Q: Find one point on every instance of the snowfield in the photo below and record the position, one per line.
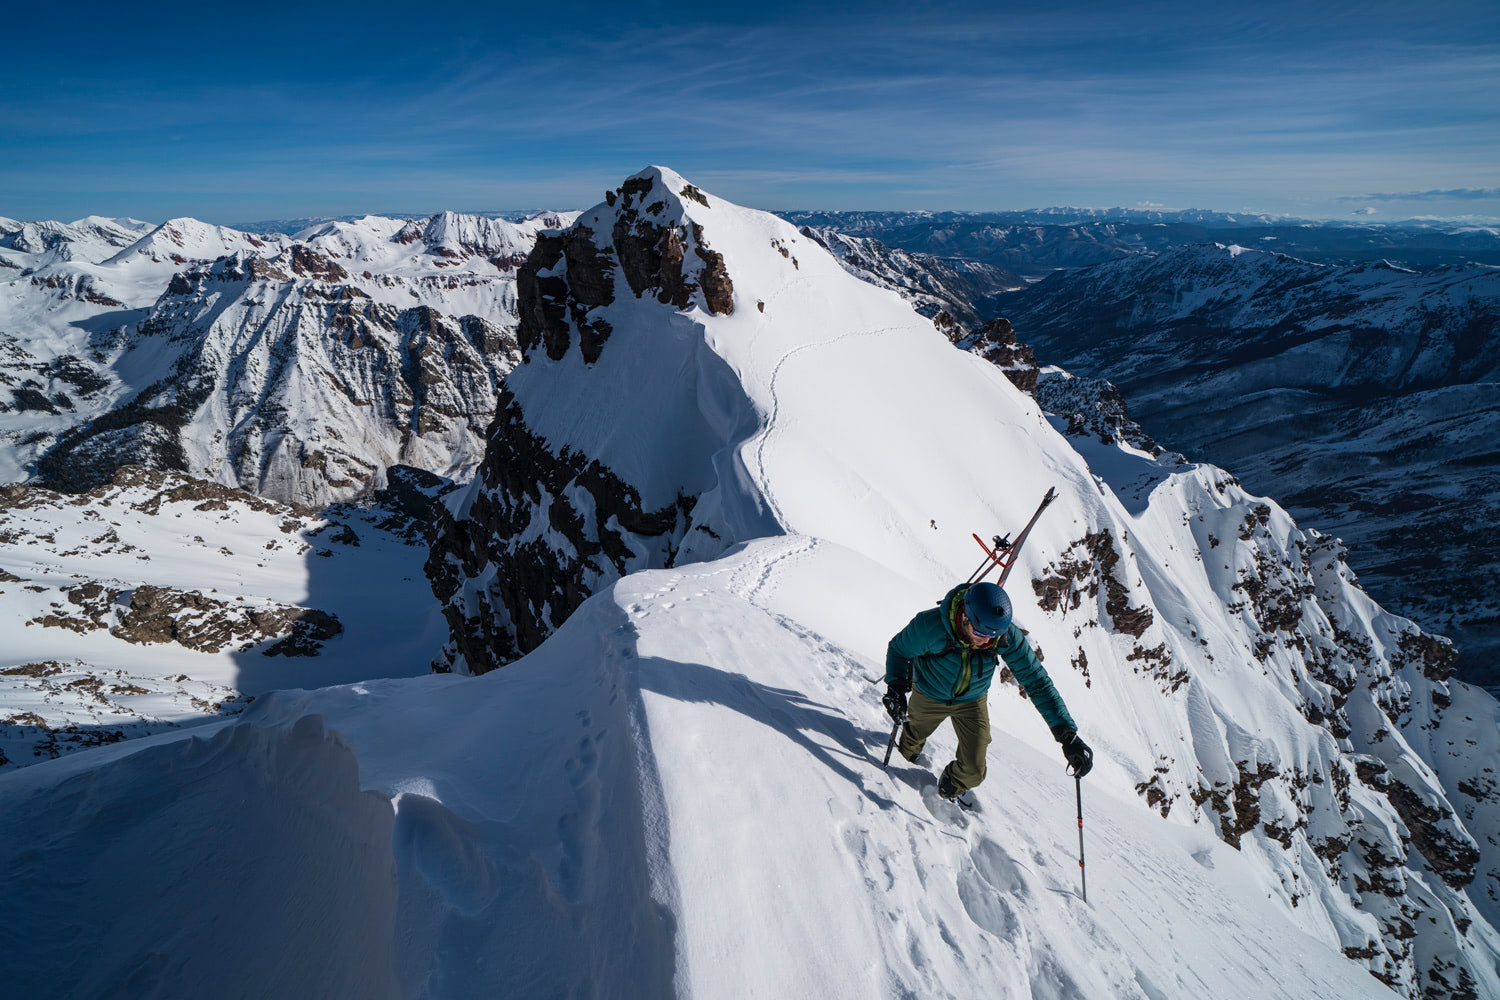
(161, 601)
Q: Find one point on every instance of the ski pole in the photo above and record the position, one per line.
(891, 745)
(1082, 872)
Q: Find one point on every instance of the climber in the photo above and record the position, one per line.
(950, 654)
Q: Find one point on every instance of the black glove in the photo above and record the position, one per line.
(1080, 757)
(895, 699)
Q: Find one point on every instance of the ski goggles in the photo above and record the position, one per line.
(977, 629)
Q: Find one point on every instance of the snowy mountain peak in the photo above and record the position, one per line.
(449, 234)
(183, 240)
(1240, 682)
(652, 233)
(661, 184)
(91, 240)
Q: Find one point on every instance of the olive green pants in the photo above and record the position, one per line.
(971, 721)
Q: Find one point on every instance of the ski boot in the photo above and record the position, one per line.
(946, 789)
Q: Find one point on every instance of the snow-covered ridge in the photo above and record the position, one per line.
(1236, 676)
(760, 467)
(933, 285)
(674, 796)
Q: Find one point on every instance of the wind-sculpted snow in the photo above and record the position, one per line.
(249, 864)
(1362, 397)
(1225, 662)
(677, 795)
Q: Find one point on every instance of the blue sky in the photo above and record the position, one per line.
(241, 112)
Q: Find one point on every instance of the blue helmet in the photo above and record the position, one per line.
(988, 609)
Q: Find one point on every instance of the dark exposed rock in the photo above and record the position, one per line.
(591, 271)
(718, 289)
(542, 300)
(653, 257)
(306, 630)
(948, 326)
(411, 502)
(533, 587)
(569, 275)
(171, 488)
(1433, 654)
(308, 263)
(1444, 845)
(1083, 567)
(1092, 406)
(206, 624)
(996, 343)
(1245, 814)
(93, 608)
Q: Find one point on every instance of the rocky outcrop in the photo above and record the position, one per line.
(542, 528)
(1398, 842)
(996, 343)
(207, 625)
(551, 304)
(546, 530)
(1092, 407)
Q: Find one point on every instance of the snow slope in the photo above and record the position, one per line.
(678, 795)
(699, 375)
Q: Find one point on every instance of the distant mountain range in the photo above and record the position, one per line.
(1036, 243)
(299, 367)
(1364, 397)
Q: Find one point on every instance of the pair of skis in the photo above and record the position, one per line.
(1001, 553)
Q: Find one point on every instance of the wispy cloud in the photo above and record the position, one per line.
(1452, 194)
(899, 105)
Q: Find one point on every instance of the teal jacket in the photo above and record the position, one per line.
(929, 653)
